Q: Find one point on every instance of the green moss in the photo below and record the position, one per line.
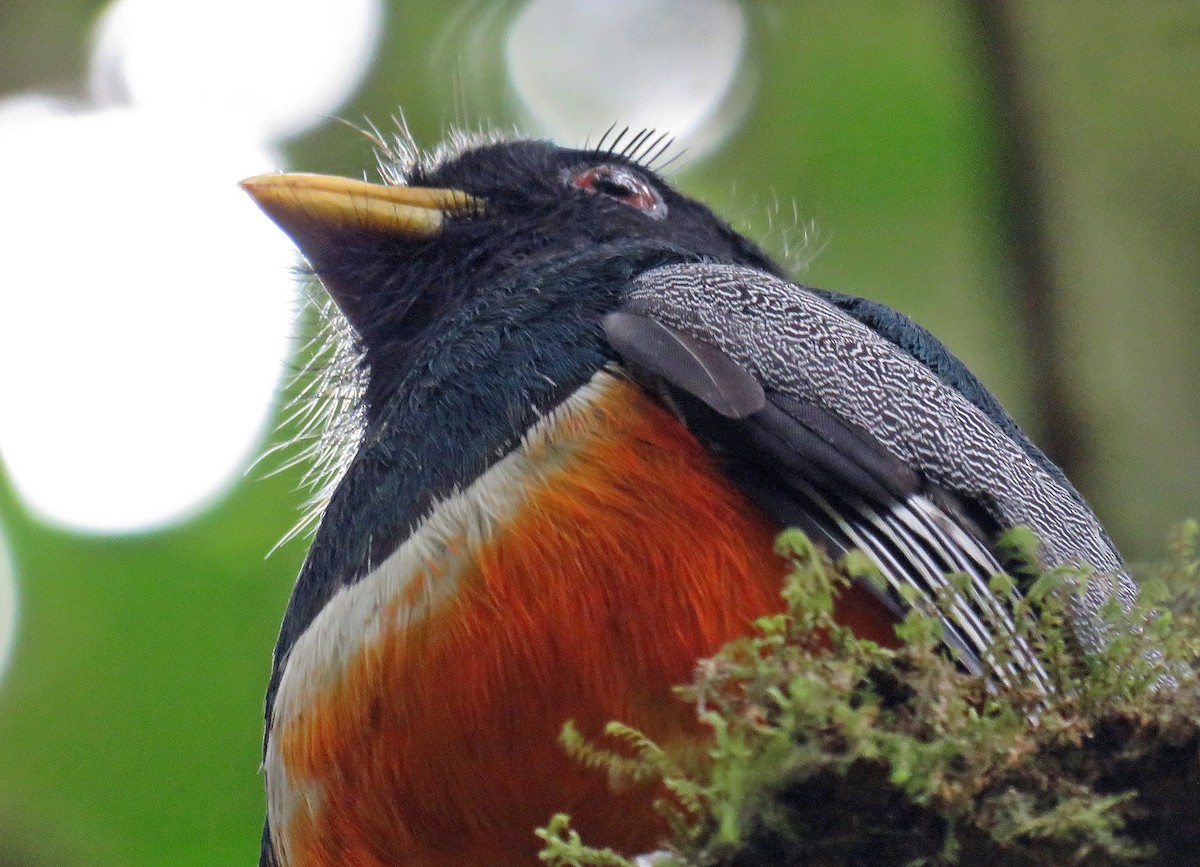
(831, 750)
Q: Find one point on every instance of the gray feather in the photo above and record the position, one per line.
(685, 362)
(799, 345)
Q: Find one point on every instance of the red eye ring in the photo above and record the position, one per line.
(624, 185)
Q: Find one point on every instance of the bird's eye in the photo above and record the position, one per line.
(624, 186)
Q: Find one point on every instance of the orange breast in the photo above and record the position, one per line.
(625, 558)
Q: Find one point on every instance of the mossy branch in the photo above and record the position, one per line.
(831, 750)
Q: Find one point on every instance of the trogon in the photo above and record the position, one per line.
(570, 410)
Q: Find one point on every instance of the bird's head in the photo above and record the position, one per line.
(475, 284)
(399, 257)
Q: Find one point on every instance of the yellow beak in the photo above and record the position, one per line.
(317, 210)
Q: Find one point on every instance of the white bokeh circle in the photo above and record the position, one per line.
(279, 66)
(578, 66)
(8, 605)
(147, 313)
(147, 304)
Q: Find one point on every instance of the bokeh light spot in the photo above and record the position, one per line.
(147, 314)
(279, 66)
(579, 66)
(8, 605)
(147, 304)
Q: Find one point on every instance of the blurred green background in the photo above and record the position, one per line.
(130, 716)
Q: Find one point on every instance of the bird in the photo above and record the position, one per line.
(576, 409)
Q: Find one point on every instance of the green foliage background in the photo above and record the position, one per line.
(130, 718)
